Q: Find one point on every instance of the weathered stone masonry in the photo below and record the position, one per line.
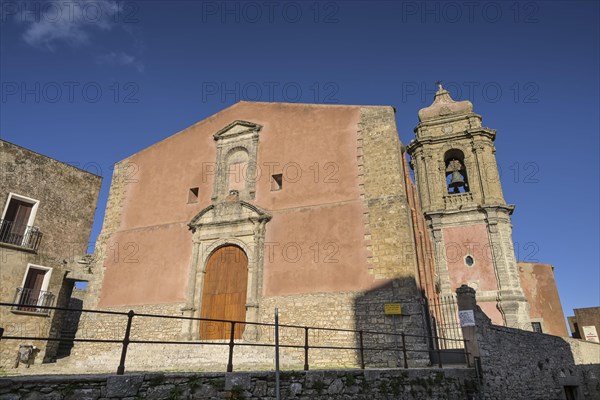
(331, 385)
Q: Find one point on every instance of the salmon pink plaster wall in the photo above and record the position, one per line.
(313, 146)
(146, 266)
(490, 308)
(473, 240)
(316, 249)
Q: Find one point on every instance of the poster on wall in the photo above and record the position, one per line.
(466, 317)
(589, 333)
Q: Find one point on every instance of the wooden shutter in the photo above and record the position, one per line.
(32, 287)
(18, 213)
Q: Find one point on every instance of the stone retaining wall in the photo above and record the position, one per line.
(584, 352)
(353, 311)
(524, 365)
(311, 385)
(344, 310)
(528, 365)
(112, 327)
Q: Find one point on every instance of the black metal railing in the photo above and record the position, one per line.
(20, 235)
(401, 344)
(30, 300)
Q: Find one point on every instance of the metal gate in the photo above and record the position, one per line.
(444, 328)
(445, 324)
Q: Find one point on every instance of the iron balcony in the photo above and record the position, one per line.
(25, 236)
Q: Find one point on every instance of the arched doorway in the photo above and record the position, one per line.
(224, 293)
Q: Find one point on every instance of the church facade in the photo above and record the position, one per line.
(311, 209)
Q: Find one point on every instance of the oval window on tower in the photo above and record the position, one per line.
(469, 261)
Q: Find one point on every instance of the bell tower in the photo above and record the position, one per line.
(453, 158)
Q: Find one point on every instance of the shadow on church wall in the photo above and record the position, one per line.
(370, 316)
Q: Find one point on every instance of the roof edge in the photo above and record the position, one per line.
(52, 158)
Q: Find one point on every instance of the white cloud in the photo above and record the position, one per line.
(120, 59)
(70, 22)
(113, 58)
(74, 23)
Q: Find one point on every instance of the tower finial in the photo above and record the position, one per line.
(439, 84)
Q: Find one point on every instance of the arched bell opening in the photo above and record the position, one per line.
(456, 172)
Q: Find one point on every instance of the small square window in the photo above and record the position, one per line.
(537, 327)
(193, 195)
(276, 182)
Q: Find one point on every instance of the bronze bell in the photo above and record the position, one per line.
(457, 181)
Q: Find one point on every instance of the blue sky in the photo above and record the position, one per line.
(91, 82)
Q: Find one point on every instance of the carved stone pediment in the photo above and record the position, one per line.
(237, 128)
(228, 213)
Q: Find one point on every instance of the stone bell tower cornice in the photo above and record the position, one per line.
(469, 213)
(447, 125)
(482, 132)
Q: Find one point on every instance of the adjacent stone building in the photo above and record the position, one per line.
(47, 213)
(545, 309)
(586, 324)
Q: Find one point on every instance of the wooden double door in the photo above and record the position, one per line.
(224, 293)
